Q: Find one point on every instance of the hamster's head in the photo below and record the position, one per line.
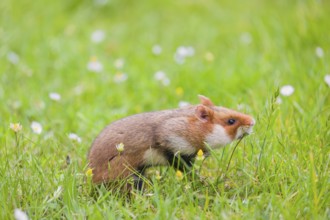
(228, 125)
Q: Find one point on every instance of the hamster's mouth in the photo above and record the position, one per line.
(241, 136)
(243, 131)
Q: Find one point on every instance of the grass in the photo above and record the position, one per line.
(244, 52)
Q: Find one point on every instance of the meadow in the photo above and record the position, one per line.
(68, 68)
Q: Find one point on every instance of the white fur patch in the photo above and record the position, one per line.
(179, 144)
(153, 157)
(218, 137)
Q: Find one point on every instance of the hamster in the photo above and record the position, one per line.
(158, 138)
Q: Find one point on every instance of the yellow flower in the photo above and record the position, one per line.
(16, 127)
(179, 91)
(179, 175)
(209, 56)
(120, 147)
(200, 155)
(89, 172)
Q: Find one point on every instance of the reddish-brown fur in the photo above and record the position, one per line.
(154, 130)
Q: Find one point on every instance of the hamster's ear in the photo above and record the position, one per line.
(203, 113)
(205, 101)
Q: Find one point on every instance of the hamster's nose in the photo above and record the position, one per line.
(253, 122)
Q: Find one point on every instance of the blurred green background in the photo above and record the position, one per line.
(107, 59)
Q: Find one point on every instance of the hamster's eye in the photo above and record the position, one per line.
(231, 121)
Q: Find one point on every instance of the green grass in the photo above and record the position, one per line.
(280, 172)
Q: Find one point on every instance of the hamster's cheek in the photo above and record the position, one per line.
(218, 137)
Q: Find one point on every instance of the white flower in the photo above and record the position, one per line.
(166, 82)
(94, 65)
(36, 127)
(20, 215)
(327, 79)
(156, 49)
(16, 127)
(182, 52)
(319, 52)
(97, 36)
(287, 90)
(246, 38)
(79, 89)
(183, 104)
(13, 57)
(120, 147)
(161, 76)
(120, 77)
(54, 96)
(179, 59)
(75, 137)
(187, 187)
(278, 100)
(119, 63)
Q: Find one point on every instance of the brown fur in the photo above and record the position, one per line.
(154, 130)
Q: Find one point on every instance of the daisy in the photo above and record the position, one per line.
(74, 137)
(54, 96)
(287, 90)
(246, 38)
(94, 65)
(183, 104)
(119, 63)
(327, 79)
(36, 127)
(16, 127)
(120, 77)
(13, 57)
(182, 52)
(179, 59)
(319, 52)
(161, 76)
(20, 215)
(97, 36)
(156, 49)
(278, 100)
